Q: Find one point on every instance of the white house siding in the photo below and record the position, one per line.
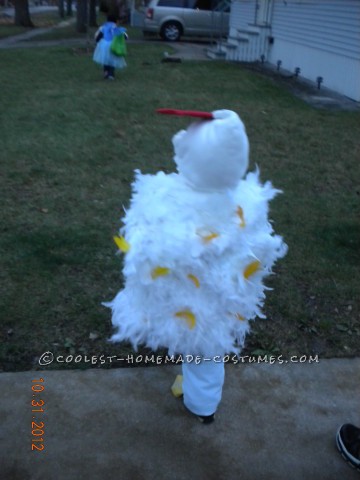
(242, 14)
(322, 38)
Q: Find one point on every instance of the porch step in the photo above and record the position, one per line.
(216, 52)
(254, 29)
(242, 37)
(247, 44)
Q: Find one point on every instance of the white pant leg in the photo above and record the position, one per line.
(202, 386)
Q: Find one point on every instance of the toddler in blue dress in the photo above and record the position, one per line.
(102, 53)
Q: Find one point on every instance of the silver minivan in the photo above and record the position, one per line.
(175, 18)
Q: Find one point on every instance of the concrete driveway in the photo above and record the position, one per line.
(276, 422)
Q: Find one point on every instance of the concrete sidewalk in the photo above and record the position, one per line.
(184, 50)
(22, 40)
(275, 422)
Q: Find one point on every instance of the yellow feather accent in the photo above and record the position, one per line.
(188, 316)
(210, 237)
(252, 268)
(239, 317)
(176, 388)
(206, 235)
(194, 279)
(122, 244)
(159, 272)
(240, 213)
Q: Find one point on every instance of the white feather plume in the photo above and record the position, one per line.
(197, 261)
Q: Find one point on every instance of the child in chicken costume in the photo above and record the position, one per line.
(197, 245)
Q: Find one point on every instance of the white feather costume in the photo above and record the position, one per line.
(198, 245)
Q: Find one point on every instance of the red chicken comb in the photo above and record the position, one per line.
(186, 113)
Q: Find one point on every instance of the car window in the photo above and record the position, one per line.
(171, 3)
(216, 5)
(200, 4)
(221, 5)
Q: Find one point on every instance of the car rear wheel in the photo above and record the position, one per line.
(171, 31)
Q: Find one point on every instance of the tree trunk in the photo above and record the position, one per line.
(61, 9)
(110, 7)
(81, 16)
(69, 11)
(22, 14)
(123, 11)
(92, 13)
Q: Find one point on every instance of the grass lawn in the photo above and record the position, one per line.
(69, 145)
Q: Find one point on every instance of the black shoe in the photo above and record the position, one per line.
(205, 419)
(348, 443)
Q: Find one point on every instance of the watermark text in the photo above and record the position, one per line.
(48, 358)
